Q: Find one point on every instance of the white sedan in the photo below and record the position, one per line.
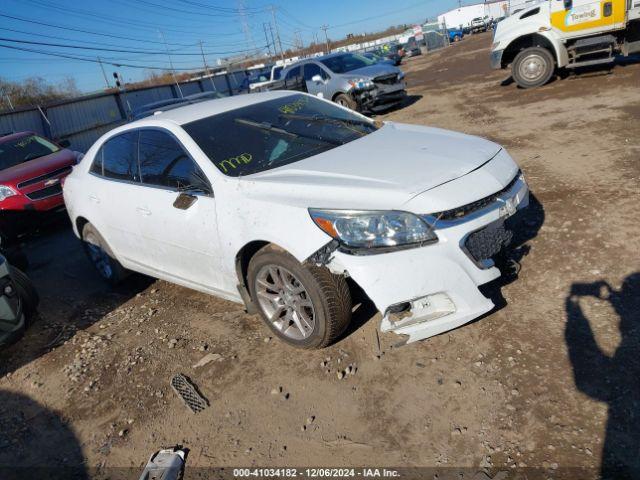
(282, 201)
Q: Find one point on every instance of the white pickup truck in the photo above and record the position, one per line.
(275, 75)
(565, 34)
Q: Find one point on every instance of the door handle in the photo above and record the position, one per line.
(143, 211)
(94, 199)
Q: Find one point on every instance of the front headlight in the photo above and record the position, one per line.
(360, 83)
(6, 192)
(373, 229)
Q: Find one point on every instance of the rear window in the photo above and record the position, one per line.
(347, 63)
(22, 149)
(274, 133)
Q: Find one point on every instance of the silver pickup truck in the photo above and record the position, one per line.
(349, 79)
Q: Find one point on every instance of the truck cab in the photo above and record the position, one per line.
(564, 34)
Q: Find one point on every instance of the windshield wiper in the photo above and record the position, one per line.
(264, 126)
(323, 119)
(271, 128)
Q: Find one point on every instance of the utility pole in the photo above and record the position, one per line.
(173, 73)
(242, 13)
(206, 68)
(273, 40)
(298, 39)
(275, 22)
(326, 37)
(104, 74)
(266, 37)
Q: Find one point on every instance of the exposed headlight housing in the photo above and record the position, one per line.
(374, 229)
(360, 83)
(6, 192)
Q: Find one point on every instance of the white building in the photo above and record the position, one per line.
(461, 17)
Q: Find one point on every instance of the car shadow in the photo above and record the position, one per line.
(611, 379)
(525, 227)
(592, 70)
(406, 102)
(72, 295)
(35, 442)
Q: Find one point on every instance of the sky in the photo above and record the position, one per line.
(136, 34)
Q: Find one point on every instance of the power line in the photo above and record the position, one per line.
(36, 22)
(146, 52)
(84, 59)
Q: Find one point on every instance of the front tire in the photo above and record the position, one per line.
(304, 305)
(101, 256)
(346, 101)
(533, 67)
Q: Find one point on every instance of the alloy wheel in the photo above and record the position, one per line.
(100, 258)
(285, 302)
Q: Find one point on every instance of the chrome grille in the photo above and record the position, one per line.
(60, 171)
(45, 192)
(464, 210)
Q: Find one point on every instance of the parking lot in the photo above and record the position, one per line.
(540, 382)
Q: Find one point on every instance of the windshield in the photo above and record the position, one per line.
(23, 149)
(274, 133)
(347, 62)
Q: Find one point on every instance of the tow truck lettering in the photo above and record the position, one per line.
(234, 162)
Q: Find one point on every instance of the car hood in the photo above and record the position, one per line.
(372, 71)
(37, 166)
(383, 170)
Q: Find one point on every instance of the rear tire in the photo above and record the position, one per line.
(101, 256)
(346, 101)
(533, 67)
(304, 305)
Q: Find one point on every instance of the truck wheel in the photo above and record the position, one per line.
(533, 67)
(27, 292)
(101, 256)
(346, 101)
(304, 305)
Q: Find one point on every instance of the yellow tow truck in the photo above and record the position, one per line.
(555, 34)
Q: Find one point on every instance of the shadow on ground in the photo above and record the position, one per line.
(614, 380)
(72, 295)
(36, 442)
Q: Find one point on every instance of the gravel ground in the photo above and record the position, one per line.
(547, 385)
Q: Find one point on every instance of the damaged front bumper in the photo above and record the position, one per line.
(422, 292)
(376, 97)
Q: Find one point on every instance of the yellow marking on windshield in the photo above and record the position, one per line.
(235, 162)
(25, 142)
(294, 107)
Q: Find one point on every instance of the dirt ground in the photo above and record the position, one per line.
(547, 385)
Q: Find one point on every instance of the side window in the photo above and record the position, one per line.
(293, 73)
(119, 157)
(164, 163)
(311, 69)
(96, 166)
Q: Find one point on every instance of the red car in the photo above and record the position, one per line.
(31, 171)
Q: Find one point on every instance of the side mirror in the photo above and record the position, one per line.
(568, 4)
(317, 79)
(64, 143)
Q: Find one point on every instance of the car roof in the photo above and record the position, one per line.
(197, 111)
(13, 136)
